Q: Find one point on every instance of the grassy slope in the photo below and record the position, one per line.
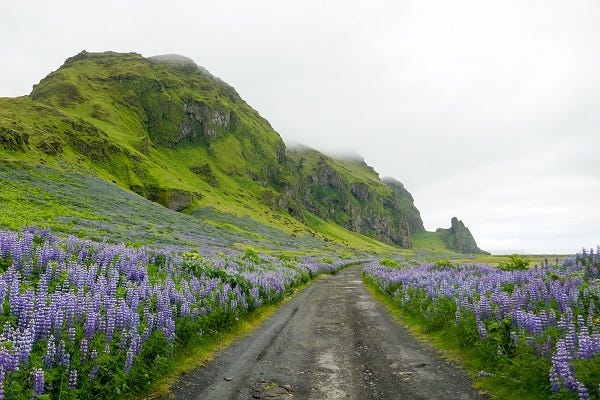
(92, 208)
(429, 241)
(133, 100)
(113, 117)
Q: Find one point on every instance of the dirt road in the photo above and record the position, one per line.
(332, 341)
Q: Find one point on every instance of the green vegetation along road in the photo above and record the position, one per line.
(332, 341)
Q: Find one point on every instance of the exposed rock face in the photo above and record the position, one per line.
(201, 120)
(90, 141)
(364, 206)
(287, 201)
(361, 192)
(174, 199)
(459, 238)
(325, 175)
(404, 203)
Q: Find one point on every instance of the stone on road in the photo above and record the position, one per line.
(331, 341)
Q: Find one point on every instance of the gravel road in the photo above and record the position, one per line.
(331, 341)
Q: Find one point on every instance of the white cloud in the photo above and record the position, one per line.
(489, 111)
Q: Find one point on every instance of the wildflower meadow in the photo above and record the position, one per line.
(532, 330)
(82, 319)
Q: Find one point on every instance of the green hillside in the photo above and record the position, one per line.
(350, 193)
(104, 140)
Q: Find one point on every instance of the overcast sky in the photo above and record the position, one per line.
(485, 110)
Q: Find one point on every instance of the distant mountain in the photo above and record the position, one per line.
(170, 131)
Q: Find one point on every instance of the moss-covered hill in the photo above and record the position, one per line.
(147, 124)
(350, 193)
(168, 130)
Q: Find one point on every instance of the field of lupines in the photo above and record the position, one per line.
(536, 331)
(83, 319)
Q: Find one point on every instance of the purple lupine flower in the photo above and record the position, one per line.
(96, 272)
(571, 338)
(91, 322)
(481, 329)
(586, 348)
(561, 364)
(71, 334)
(555, 381)
(84, 349)
(37, 375)
(110, 323)
(72, 379)
(96, 367)
(128, 360)
(62, 357)
(25, 345)
(582, 391)
(2, 376)
(50, 355)
(480, 290)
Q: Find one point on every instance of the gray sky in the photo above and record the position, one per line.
(485, 110)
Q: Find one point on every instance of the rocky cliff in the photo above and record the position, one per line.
(459, 238)
(350, 193)
(405, 204)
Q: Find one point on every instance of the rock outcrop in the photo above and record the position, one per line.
(201, 121)
(174, 199)
(459, 238)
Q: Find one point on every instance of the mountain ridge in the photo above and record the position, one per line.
(170, 131)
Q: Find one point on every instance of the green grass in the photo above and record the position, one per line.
(429, 242)
(535, 259)
(130, 98)
(351, 240)
(31, 206)
(92, 208)
(89, 207)
(114, 102)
